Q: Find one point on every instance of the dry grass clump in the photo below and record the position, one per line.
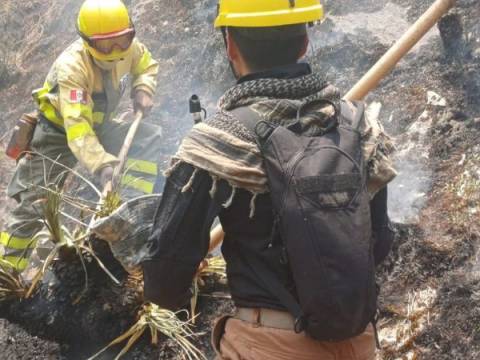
(158, 321)
(408, 324)
(214, 266)
(50, 209)
(161, 321)
(463, 194)
(8, 67)
(110, 203)
(11, 283)
(17, 45)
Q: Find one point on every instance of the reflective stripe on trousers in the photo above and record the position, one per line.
(140, 175)
(16, 250)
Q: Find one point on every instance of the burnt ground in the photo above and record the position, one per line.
(431, 282)
(17, 344)
(78, 329)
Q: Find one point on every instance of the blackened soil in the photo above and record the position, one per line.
(85, 321)
(18, 344)
(436, 254)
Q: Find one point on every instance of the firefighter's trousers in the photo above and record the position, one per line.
(36, 172)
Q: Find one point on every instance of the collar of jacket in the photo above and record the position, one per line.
(282, 72)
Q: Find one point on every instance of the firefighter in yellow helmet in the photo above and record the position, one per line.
(76, 120)
(284, 165)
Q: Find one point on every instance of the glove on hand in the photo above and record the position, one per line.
(106, 175)
(142, 101)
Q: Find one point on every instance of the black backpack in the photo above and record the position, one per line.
(322, 212)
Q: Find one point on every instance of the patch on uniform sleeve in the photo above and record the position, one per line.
(78, 97)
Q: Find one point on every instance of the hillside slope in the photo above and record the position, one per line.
(430, 300)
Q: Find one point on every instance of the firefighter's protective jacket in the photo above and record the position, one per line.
(78, 95)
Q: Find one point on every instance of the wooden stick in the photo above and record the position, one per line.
(381, 69)
(386, 64)
(216, 237)
(122, 155)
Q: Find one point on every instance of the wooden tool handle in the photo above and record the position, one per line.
(386, 64)
(122, 155)
(216, 237)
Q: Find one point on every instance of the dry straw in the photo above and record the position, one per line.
(214, 266)
(11, 284)
(158, 321)
(151, 317)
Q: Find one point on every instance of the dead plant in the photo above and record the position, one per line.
(161, 321)
(11, 283)
(49, 210)
(214, 266)
(111, 202)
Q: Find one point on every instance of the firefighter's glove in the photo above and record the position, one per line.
(142, 101)
(106, 175)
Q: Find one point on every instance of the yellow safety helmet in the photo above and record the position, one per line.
(267, 13)
(106, 29)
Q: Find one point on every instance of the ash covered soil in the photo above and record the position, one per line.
(430, 301)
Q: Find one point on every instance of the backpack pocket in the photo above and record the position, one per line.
(329, 191)
(324, 187)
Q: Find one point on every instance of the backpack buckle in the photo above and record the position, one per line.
(263, 130)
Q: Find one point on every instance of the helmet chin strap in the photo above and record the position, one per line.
(224, 34)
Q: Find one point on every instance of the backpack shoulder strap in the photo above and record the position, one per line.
(250, 119)
(254, 123)
(247, 117)
(271, 282)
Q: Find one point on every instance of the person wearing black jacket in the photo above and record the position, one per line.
(218, 172)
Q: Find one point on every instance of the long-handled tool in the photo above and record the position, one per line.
(122, 155)
(391, 58)
(380, 70)
(117, 171)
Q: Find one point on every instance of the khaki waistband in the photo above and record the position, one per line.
(266, 317)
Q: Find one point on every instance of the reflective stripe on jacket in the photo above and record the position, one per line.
(78, 95)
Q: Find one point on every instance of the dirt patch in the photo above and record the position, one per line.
(17, 344)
